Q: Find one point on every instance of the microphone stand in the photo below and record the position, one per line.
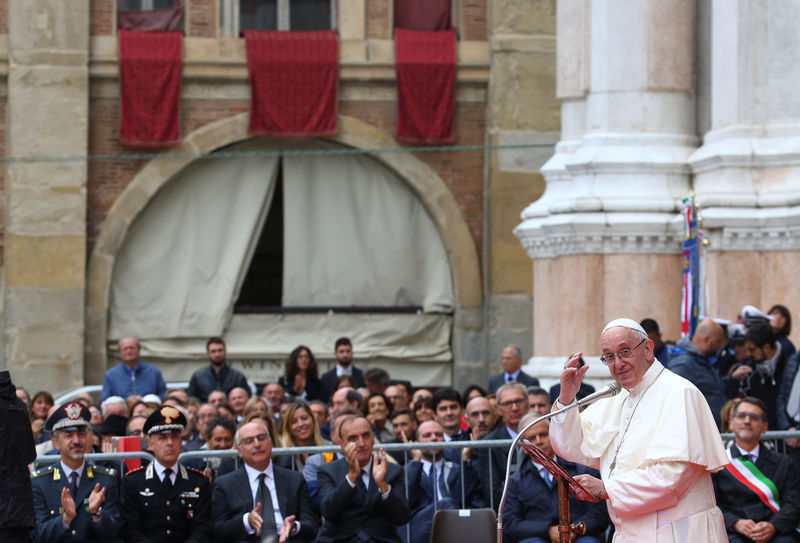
(612, 389)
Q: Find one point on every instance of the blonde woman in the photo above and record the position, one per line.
(300, 429)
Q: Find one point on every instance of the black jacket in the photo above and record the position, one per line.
(532, 505)
(328, 382)
(232, 498)
(350, 511)
(17, 450)
(205, 380)
(739, 502)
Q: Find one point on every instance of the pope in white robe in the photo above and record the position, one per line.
(655, 444)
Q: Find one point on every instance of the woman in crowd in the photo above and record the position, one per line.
(256, 404)
(301, 376)
(40, 404)
(300, 429)
(376, 409)
(423, 409)
(472, 391)
(782, 326)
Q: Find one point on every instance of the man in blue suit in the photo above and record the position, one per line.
(434, 479)
(530, 514)
(362, 497)
(73, 499)
(261, 499)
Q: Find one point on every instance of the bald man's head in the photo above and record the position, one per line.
(708, 337)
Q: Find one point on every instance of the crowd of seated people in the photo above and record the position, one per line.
(352, 493)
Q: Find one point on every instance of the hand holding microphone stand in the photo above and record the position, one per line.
(566, 484)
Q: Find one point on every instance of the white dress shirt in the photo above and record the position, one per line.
(269, 480)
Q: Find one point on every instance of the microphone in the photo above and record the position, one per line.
(611, 389)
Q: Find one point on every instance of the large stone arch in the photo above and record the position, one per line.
(422, 179)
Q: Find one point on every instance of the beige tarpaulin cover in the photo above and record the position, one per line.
(354, 235)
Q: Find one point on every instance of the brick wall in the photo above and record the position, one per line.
(101, 22)
(461, 171)
(201, 18)
(473, 20)
(379, 19)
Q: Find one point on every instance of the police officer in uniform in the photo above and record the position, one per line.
(74, 500)
(165, 502)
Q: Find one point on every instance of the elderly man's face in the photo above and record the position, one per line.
(628, 373)
(129, 350)
(539, 435)
(510, 361)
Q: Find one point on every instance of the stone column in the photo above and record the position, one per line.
(605, 237)
(522, 109)
(747, 173)
(45, 220)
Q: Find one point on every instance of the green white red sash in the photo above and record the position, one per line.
(750, 476)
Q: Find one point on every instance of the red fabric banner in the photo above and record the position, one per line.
(150, 88)
(294, 80)
(426, 75)
(422, 14)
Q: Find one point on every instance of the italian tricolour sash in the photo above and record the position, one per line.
(750, 476)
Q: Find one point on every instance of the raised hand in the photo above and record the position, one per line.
(354, 470)
(254, 519)
(96, 498)
(571, 379)
(379, 468)
(68, 505)
(286, 529)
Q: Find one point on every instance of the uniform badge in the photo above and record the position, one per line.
(190, 514)
(147, 493)
(73, 410)
(89, 472)
(56, 474)
(169, 413)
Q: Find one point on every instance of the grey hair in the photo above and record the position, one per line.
(517, 350)
(527, 417)
(112, 400)
(510, 386)
(236, 440)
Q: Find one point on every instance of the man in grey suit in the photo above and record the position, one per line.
(261, 500)
(362, 496)
(512, 362)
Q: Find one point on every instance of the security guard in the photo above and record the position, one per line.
(165, 502)
(74, 500)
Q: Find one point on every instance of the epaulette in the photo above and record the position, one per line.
(140, 468)
(104, 470)
(43, 471)
(195, 470)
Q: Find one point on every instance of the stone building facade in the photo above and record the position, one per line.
(69, 201)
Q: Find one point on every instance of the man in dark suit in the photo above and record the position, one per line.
(512, 362)
(449, 412)
(531, 510)
(165, 502)
(260, 499)
(434, 479)
(74, 500)
(362, 497)
(344, 366)
(752, 510)
(513, 403)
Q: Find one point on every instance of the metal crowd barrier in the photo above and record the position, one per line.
(776, 440)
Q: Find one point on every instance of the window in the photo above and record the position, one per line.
(145, 5)
(238, 15)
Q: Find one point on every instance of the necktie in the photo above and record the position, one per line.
(509, 378)
(443, 484)
(264, 497)
(73, 485)
(547, 477)
(431, 481)
(750, 457)
(167, 481)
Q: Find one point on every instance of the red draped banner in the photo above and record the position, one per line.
(150, 88)
(426, 75)
(422, 14)
(294, 78)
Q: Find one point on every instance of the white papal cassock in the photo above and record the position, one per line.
(660, 489)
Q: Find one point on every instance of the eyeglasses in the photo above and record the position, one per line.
(252, 439)
(752, 416)
(623, 354)
(522, 402)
